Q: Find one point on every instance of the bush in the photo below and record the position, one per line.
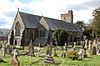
(72, 54)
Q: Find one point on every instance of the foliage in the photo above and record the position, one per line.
(86, 29)
(80, 24)
(96, 21)
(88, 32)
(60, 36)
(72, 54)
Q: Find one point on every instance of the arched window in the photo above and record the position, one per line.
(17, 29)
(41, 31)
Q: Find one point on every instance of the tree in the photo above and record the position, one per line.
(96, 22)
(60, 36)
(80, 24)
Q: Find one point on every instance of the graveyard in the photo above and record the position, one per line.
(49, 56)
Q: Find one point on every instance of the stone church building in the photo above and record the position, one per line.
(28, 27)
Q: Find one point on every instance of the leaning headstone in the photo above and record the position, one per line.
(31, 49)
(81, 53)
(2, 53)
(14, 61)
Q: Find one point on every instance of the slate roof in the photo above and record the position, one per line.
(55, 24)
(30, 20)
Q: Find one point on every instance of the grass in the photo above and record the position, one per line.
(39, 61)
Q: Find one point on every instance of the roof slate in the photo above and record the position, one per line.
(32, 21)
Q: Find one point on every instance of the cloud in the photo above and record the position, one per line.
(3, 22)
(49, 8)
(85, 5)
(9, 14)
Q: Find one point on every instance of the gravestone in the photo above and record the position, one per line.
(86, 46)
(2, 52)
(8, 49)
(14, 61)
(49, 58)
(49, 49)
(89, 50)
(94, 47)
(64, 51)
(74, 45)
(31, 49)
(90, 45)
(81, 53)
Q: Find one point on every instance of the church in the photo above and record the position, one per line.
(38, 29)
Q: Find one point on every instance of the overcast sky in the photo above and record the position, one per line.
(50, 8)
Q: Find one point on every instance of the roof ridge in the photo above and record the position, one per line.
(30, 14)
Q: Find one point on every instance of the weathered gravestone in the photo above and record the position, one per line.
(49, 58)
(2, 52)
(89, 50)
(49, 49)
(94, 47)
(8, 49)
(81, 53)
(14, 61)
(64, 51)
(85, 48)
(31, 49)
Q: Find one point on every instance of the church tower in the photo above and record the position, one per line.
(68, 17)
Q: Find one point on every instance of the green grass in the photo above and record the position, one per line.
(39, 61)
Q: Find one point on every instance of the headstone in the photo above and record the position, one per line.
(55, 49)
(86, 46)
(49, 58)
(64, 51)
(94, 47)
(14, 61)
(2, 51)
(89, 50)
(90, 45)
(8, 49)
(74, 45)
(31, 49)
(81, 53)
(82, 44)
(49, 49)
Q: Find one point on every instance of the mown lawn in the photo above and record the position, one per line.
(94, 60)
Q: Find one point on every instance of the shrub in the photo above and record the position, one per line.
(72, 54)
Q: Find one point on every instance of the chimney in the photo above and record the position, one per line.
(68, 17)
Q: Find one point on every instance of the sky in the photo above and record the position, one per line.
(82, 9)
